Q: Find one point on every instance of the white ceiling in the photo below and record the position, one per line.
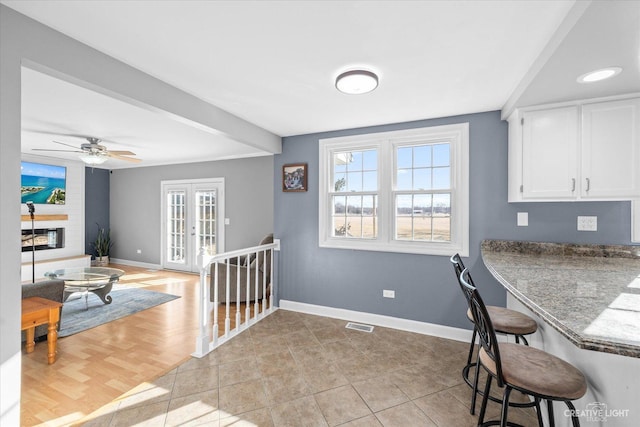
(273, 63)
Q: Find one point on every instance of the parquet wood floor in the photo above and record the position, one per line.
(96, 366)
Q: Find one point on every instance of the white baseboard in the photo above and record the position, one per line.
(146, 265)
(424, 328)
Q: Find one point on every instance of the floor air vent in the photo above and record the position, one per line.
(359, 327)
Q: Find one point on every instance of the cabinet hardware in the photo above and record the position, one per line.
(588, 184)
(522, 188)
(573, 184)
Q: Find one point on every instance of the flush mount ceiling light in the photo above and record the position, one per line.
(356, 82)
(598, 75)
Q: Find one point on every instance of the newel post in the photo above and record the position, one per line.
(203, 339)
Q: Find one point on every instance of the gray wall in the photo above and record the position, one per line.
(96, 204)
(425, 286)
(136, 204)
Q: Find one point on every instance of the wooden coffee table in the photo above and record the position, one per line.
(38, 311)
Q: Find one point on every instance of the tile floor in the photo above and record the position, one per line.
(293, 369)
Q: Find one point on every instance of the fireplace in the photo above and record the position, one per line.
(45, 238)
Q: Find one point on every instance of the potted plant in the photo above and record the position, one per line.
(102, 245)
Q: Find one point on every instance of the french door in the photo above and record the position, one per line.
(192, 218)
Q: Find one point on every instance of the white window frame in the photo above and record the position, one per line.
(457, 135)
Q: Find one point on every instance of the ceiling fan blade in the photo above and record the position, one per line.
(121, 153)
(64, 143)
(119, 157)
(65, 151)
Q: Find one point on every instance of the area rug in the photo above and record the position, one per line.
(76, 318)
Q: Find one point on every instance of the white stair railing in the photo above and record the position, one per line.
(255, 265)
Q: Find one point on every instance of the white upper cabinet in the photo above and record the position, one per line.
(611, 149)
(549, 153)
(582, 151)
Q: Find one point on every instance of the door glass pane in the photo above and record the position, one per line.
(176, 226)
(205, 221)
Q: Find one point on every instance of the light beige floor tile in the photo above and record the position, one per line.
(194, 410)
(239, 371)
(407, 414)
(329, 334)
(242, 397)
(310, 355)
(300, 338)
(303, 412)
(259, 417)
(324, 377)
(368, 421)
(285, 387)
(417, 381)
(445, 410)
(379, 393)
(278, 363)
(140, 416)
(194, 381)
(341, 405)
(148, 393)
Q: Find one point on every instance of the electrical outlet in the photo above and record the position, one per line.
(139, 251)
(587, 223)
(388, 294)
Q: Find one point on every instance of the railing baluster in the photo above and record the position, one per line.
(216, 301)
(271, 282)
(247, 310)
(227, 319)
(238, 296)
(209, 304)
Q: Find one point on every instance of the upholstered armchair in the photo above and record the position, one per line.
(246, 268)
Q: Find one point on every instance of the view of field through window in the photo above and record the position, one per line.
(421, 194)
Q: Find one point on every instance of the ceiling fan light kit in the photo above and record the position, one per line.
(93, 159)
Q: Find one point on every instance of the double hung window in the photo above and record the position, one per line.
(401, 191)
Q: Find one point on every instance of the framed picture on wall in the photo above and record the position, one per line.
(294, 177)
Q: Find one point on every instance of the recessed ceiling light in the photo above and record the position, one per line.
(356, 82)
(597, 75)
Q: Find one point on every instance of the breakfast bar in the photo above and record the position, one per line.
(586, 299)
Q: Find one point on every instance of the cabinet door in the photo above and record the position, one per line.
(549, 153)
(611, 149)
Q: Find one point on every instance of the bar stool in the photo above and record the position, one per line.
(517, 367)
(505, 321)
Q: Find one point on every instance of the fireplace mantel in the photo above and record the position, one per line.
(57, 217)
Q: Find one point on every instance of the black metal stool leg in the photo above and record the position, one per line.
(552, 421)
(539, 412)
(505, 406)
(483, 408)
(574, 419)
(472, 345)
(475, 389)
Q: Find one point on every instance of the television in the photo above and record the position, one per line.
(43, 184)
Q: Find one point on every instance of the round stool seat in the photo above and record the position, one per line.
(538, 372)
(508, 321)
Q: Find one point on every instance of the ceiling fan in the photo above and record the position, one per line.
(93, 153)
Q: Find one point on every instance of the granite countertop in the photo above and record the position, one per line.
(589, 293)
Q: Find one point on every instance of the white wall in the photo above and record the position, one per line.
(73, 207)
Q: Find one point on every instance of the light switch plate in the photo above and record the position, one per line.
(587, 223)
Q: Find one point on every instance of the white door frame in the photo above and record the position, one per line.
(190, 186)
